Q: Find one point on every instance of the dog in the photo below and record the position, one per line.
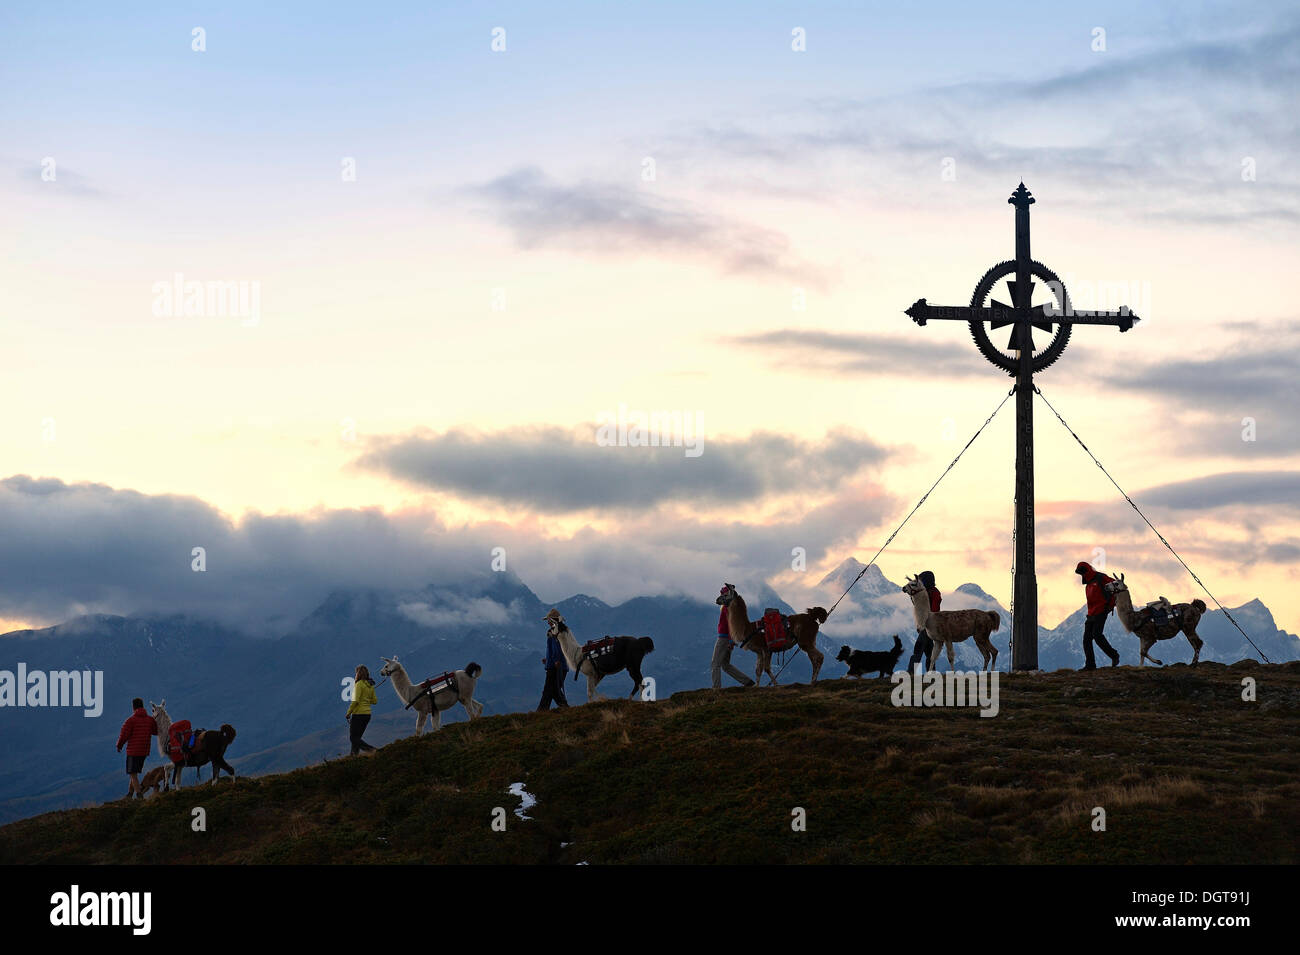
(154, 779)
(871, 661)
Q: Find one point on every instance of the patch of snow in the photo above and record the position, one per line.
(527, 799)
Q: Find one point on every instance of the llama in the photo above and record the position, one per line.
(1184, 619)
(427, 704)
(209, 746)
(947, 627)
(628, 654)
(803, 627)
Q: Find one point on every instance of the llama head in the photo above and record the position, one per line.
(727, 596)
(844, 654)
(390, 666)
(1115, 586)
(156, 708)
(912, 587)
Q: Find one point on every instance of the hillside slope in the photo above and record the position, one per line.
(292, 688)
(1187, 772)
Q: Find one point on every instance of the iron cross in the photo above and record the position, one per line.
(1022, 360)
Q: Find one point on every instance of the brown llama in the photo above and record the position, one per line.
(947, 627)
(803, 628)
(1184, 619)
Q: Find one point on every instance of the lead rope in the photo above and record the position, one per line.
(1150, 525)
(921, 501)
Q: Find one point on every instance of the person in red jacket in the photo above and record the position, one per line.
(722, 648)
(137, 735)
(924, 645)
(1100, 604)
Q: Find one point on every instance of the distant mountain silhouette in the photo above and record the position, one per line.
(285, 695)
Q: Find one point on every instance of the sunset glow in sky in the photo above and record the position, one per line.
(437, 338)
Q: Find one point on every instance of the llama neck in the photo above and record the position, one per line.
(921, 608)
(164, 724)
(738, 618)
(401, 683)
(1124, 609)
(568, 646)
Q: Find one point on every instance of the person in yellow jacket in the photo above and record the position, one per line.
(363, 697)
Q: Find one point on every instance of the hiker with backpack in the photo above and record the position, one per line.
(924, 645)
(556, 670)
(1100, 604)
(722, 648)
(358, 715)
(137, 733)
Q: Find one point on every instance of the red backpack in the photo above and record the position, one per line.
(774, 632)
(178, 738)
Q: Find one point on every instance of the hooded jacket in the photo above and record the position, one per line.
(1099, 602)
(936, 598)
(137, 732)
(363, 698)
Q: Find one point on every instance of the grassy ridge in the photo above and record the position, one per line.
(1187, 773)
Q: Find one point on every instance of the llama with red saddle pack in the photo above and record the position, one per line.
(773, 632)
(597, 659)
(186, 746)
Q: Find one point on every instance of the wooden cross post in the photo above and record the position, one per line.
(1021, 360)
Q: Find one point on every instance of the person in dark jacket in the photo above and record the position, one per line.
(1100, 604)
(722, 648)
(924, 645)
(137, 735)
(556, 670)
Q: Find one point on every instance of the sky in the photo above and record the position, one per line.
(467, 235)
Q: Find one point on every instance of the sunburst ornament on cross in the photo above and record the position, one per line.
(1022, 358)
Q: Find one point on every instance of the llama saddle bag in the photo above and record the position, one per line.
(436, 684)
(1160, 613)
(1161, 616)
(775, 631)
(598, 652)
(180, 737)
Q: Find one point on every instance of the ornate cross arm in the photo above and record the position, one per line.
(1043, 316)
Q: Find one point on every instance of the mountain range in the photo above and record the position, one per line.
(286, 695)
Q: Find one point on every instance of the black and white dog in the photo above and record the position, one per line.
(871, 661)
